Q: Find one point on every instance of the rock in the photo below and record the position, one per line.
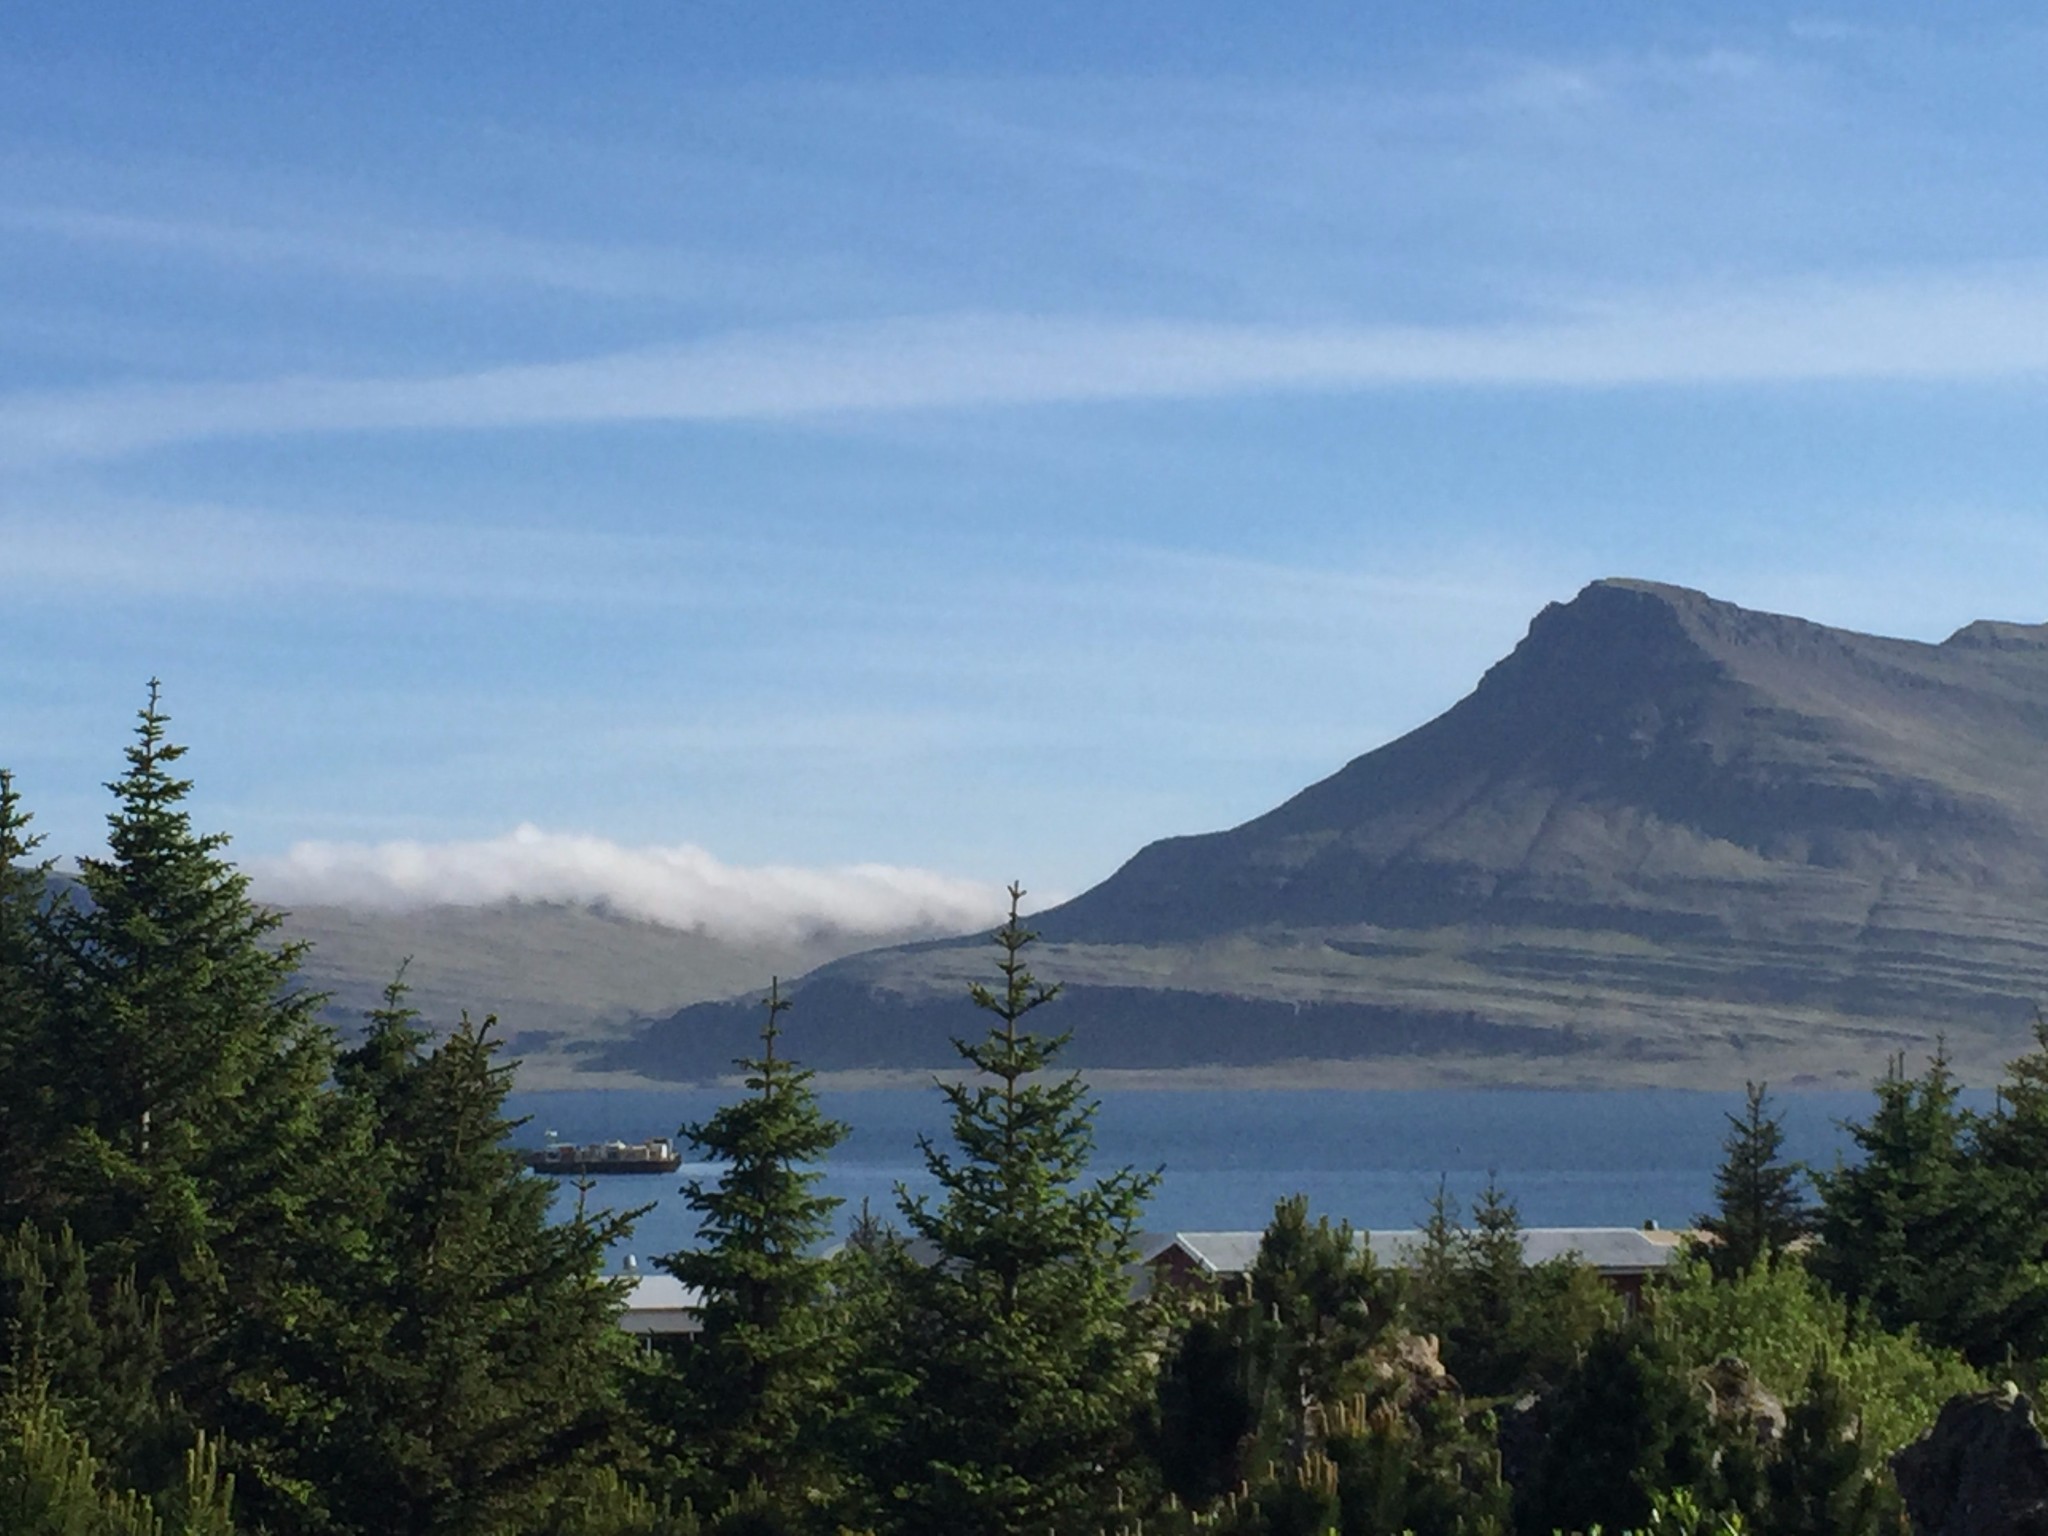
(1981, 1471)
(1740, 1402)
(1407, 1371)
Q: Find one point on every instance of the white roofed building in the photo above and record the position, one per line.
(1624, 1257)
(662, 1304)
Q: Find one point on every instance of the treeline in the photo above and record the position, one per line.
(256, 1280)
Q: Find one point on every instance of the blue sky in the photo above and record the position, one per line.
(970, 439)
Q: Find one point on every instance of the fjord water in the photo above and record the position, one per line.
(1611, 1158)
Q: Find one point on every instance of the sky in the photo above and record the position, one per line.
(834, 460)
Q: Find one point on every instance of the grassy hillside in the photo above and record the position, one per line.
(565, 981)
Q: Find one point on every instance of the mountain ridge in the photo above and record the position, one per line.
(1663, 828)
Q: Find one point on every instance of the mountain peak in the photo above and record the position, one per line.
(1999, 635)
(1672, 594)
(1663, 828)
(1640, 726)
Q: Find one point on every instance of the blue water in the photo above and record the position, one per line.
(1567, 1159)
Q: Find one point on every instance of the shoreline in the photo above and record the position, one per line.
(1309, 1077)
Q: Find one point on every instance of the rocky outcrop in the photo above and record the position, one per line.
(1981, 1471)
(1741, 1404)
(1408, 1371)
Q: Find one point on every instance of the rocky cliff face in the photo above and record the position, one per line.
(1651, 760)
(1666, 837)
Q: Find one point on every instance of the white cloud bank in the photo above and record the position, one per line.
(680, 886)
(1985, 323)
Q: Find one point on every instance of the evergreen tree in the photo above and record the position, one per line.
(865, 1411)
(755, 1383)
(1207, 1407)
(24, 1026)
(1431, 1470)
(51, 1484)
(1820, 1483)
(1027, 1371)
(94, 1354)
(178, 1096)
(1435, 1293)
(1761, 1207)
(1493, 1281)
(1319, 1302)
(1502, 1322)
(185, 1093)
(1907, 1230)
(1627, 1424)
(466, 1371)
(2007, 1188)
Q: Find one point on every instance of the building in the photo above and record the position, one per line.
(662, 1304)
(1624, 1257)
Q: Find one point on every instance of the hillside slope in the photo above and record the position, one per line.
(1666, 839)
(565, 981)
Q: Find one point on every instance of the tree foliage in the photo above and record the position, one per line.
(25, 1037)
(335, 1268)
(52, 1484)
(1027, 1369)
(471, 1359)
(182, 1100)
(754, 1388)
(1504, 1324)
(1937, 1226)
(1782, 1323)
(1761, 1208)
(1626, 1424)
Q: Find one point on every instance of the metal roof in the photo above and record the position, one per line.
(1611, 1250)
(662, 1304)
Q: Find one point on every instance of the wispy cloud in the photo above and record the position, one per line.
(64, 545)
(1985, 324)
(460, 258)
(679, 886)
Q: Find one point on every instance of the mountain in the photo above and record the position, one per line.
(1667, 839)
(565, 980)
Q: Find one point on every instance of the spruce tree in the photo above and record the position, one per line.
(1319, 1302)
(93, 1353)
(470, 1364)
(1820, 1482)
(755, 1384)
(1903, 1231)
(24, 1025)
(2006, 1178)
(1761, 1209)
(185, 1091)
(1481, 1350)
(1436, 1293)
(178, 1093)
(1026, 1368)
(1626, 1425)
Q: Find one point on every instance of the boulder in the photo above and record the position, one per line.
(1410, 1369)
(1981, 1471)
(1739, 1402)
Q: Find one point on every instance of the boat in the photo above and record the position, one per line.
(655, 1155)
